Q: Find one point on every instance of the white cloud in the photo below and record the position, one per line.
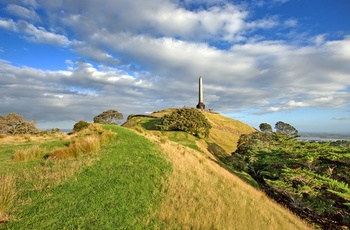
(149, 56)
(74, 94)
(8, 24)
(22, 12)
(34, 34)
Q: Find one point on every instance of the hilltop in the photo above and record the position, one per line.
(141, 178)
(225, 131)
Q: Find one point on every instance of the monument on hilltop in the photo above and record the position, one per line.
(200, 99)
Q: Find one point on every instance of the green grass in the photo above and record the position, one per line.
(118, 188)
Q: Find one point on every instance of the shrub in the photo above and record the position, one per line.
(80, 125)
(188, 120)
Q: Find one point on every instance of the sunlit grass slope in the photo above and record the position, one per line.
(202, 195)
(226, 131)
(116, 188)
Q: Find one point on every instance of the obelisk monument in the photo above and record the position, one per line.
(200, 101)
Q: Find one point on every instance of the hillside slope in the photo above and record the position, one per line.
(225, 131)
(137, 183)
(200, 194)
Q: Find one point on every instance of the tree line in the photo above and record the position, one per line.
(14, 124)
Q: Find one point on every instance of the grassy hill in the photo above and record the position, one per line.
(225, 131)
(137, 180)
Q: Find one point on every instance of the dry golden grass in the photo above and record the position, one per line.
(226, 131)
(7, 195)
(88, 145)
(163, 112)
(32, 153)
(14, 139)
(202, 195)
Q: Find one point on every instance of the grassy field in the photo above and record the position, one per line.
(116, 188)
(154, 181)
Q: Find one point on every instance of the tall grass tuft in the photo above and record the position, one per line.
(106, 137)
(7, 195)
(88, 145)
(32, 153)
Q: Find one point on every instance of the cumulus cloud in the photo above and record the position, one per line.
(148, 55)
(79, 93)
(33, 33)
(22, 12)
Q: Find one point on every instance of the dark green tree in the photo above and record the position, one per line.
(266, 128)
(189, 120)
(286, 128)
(80, 125)
(109, 117)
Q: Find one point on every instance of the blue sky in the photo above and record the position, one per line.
(262, 61)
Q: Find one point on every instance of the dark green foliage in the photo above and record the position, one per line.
(109, 117)
(80, 125)
(188, 120)
(311, 178)
(13, 124)
(264, 127)
(285, 128)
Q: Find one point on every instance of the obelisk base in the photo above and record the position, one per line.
(200, 105)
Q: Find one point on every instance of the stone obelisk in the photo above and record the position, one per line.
(200, 101)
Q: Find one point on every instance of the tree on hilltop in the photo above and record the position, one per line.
(189, 120)
(109, 117)
(264, 127)
(286, 128)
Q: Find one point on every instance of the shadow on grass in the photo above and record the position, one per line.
(150, 124)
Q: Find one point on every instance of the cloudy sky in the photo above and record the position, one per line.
(62, 61)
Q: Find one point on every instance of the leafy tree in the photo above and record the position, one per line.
(285, 128)
(264, 127)
(189, 120)
(80, 125)
(13, 124)
(109, 117)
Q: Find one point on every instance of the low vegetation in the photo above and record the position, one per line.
(311, 178)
